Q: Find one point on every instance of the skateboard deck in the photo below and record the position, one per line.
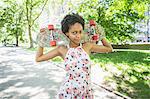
(50, 37)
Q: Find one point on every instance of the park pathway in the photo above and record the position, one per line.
(22, 78)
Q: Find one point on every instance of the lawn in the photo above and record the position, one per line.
(130, 71)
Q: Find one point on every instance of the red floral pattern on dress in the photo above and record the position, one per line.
(77, 84)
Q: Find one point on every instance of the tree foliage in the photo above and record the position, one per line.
(118, 17)
(16, 17)
(11, 22)
(32, 8)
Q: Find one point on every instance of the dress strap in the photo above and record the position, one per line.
(68, 46)
(80, 44)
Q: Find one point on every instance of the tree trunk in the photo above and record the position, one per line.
(17, 39)
(28, 15)
(30, 20)
(30, 36)
(148, 24)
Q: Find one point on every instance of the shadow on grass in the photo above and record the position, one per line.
(136, 90)
(134, 81)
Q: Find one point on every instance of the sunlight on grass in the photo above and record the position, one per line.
(130, 71)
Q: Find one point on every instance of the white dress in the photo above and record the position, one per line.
(77, 83)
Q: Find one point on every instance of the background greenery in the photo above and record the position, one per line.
(132, 71)
(18, 24)
(18, 19)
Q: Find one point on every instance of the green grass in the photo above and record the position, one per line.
(132, 71)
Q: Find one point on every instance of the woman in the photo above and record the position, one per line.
(77, 84)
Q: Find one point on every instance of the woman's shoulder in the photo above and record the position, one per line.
(62, 49)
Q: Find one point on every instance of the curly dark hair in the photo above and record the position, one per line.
(70, 20)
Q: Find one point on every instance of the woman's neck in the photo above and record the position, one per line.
(73, 45)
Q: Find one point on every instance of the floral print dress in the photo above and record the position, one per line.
(77, 83)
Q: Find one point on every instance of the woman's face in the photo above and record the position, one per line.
(75, 33)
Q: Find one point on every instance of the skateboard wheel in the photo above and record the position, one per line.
(92, 23)
(51, 27)
(95, 37)
(52, 43)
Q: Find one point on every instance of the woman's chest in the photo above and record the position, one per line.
(75, 53)
(77, 57)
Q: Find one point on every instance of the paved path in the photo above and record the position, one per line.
(22, 78)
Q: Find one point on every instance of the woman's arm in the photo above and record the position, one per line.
(43, 57)
(106, 47)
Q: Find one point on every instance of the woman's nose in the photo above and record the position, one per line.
(78, 35)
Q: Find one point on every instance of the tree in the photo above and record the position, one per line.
(148, 22)
(32, 14)
(11, 22)
(118, 17)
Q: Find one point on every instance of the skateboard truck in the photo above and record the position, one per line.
(92, 30)
(51, 28)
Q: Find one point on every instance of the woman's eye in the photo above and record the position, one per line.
(80, 32)
(74, 33)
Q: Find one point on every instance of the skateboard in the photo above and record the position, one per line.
(50, 36)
